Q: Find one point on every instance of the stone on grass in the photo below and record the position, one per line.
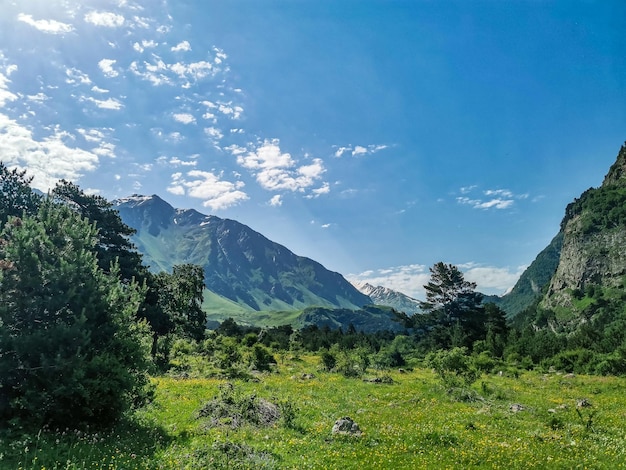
(347, 427)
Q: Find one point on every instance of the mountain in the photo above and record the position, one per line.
(244, 271)
(593, 253)
(530, 286)
(384, 296)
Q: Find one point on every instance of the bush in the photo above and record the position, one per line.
(454, 367)
(329, 361)
(261, 358)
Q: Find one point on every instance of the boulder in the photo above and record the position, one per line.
(346, 426)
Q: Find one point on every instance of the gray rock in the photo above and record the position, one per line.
(346, 426)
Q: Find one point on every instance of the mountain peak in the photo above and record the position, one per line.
(384, 296)
(617, 172)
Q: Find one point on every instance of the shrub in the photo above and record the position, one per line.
(454, 367)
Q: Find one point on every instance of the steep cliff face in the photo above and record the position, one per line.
(594, 243)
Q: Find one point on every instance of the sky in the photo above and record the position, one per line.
(377, 137)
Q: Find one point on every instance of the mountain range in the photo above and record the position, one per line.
(255, 280)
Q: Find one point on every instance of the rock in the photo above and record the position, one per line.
(516, 408)
(583, 403)
(347, 427)
(307, 376)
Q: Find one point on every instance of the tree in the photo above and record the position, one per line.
(114, 245)
(496, 329)
(16, 196)
(71, 351)
(177, 305)
(453, 304)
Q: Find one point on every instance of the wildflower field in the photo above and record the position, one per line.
(283, 419)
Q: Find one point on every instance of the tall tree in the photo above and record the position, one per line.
(455, 305)
(71, 350)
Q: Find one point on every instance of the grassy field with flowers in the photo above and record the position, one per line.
(407, 421)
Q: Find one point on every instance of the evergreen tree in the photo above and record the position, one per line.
(452, 303)
(70, 349)
(16, 196)
(114, 245)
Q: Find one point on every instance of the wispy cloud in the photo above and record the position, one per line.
(358, 150)
(215, 192)
(46, 26)
(488, 199)
(110, 103)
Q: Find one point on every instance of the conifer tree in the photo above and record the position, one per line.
(71, 351)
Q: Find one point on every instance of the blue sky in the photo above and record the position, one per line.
(376, 137)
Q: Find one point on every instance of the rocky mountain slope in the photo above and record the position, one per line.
(384, 296)
(244, 271)
(594, 243)
(530, 286)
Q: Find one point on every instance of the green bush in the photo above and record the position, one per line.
(454, 367)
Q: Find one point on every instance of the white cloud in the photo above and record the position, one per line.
(491, 279)
(359, 150)
(106, 65)
(105, 149)
(5, 94)
(182, 46)
(105, 18)
(75, 76)
(214, 133)
(324, 189)
(410, 279)
(109, 103)
(175, 161)
(92, 135)
(276, 201)
(145, 44)
(275, 170)
(184, 118)
(97, 89)
(46, 26)
(216, 193)
(495, 198)
(48, 159)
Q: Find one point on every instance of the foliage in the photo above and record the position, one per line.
(70, 349)
(16, 197)
(454, 367)
(113, 244)
(599, 209)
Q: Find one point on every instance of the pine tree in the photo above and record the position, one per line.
(71, 351)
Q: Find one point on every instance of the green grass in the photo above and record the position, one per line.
(409, 424)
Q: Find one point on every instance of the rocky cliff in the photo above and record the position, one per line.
(593, 253)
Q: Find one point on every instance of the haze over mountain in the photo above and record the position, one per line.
(376, 137)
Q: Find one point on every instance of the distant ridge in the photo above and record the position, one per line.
(384, 296)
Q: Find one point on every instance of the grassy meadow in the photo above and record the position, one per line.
(525, 420)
